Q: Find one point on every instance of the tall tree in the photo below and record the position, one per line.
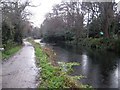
(13, 18)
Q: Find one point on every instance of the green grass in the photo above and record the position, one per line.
(55, 76)
(50, 75)
(11, 51)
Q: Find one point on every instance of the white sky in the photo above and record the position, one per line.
(39, 12)
(44, 7)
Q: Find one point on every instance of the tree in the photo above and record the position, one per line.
(107, 14)
(82, 19)
(14, 16)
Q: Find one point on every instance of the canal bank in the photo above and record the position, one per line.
(101, 69)
(55, 75)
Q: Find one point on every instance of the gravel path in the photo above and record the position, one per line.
(20, 71)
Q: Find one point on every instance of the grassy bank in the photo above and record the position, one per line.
(8, 52)
(53, 75)
(101, 44)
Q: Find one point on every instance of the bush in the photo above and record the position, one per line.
(102, 43)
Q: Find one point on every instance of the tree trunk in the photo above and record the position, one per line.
(105, 28)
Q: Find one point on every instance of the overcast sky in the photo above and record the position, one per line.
(39, 12)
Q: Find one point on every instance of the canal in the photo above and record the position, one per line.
(101, 69)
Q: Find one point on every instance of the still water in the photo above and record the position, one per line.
(101, 69)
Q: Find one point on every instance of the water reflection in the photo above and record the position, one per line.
(100, 68)
(39, 41)
(84, 64)
(108, 64)
(114, 78)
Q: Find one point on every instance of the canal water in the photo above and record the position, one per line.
(101, 69)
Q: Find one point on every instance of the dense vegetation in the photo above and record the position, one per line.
(102, 44)
(83, 23)
(14, 22)
(15, 25)
(69, 22)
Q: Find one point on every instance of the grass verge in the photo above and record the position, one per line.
(54, 76)
(11, 51)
